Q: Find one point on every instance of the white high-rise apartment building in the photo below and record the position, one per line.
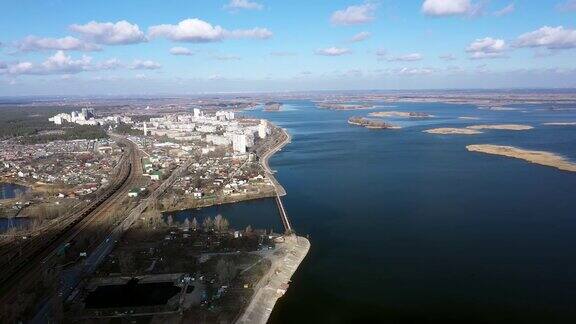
(239, 143)
(262, 128)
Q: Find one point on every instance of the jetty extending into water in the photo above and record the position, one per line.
(289, 252)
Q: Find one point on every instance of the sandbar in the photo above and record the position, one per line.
(561, 124)
(501, 127)
(453, 131)
(537, 157)
(400, 114)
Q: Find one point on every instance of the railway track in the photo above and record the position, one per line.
(24, 273)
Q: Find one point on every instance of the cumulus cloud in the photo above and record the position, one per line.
(354, 15)
(59, 63)
(487, 48)
(360, 36)
(414, 71)
(441, 8)
(198, 31)
(333, 51)
(506, 10)
(145, 65)
(553, 38)
(109, 33)
(243, 4)
(405, 58)
(110, 64)
(180, 51)
(569, 5)
(68, 43)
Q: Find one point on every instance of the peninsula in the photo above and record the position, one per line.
(538, 157)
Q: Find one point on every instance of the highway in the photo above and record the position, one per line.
(26, 273)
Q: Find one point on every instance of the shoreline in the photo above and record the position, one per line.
(280, 191)
(285, 260)
(273, 285)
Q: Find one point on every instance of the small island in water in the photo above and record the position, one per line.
(406, 114)
(272, 106)
(370, 123)
(538, 157)
(452, 131)
(343, 106)
(476, 129)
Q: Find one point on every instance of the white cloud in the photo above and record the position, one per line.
(448, 57)
(414, 71)
(198, 31)
(569, 5)
(145, 65)
(333, 51)
(243, 4)
(226, 57)
(354, 15)
(360, 36)
(108, 33)
(405, 58)
(506, 10)
(255, 33)
(110, 64)
(449, 8)
(180, 51)
(553, 38)
(487, 48)
(68, 43)
(59, 63)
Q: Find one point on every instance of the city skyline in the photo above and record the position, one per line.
(249, 46)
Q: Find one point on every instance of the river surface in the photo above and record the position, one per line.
(410, 227)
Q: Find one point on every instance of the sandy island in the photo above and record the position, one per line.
(450, 131)
(561, 124)
(501, 127)
(468, 117)
(400, 114)
(475, 129)
(538, 157)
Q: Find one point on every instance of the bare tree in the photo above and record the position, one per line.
(208, 223)
(218, 222)
(186, 225)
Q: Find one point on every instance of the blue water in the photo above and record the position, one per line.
(410, 227)
(259, 214)
(10, 190)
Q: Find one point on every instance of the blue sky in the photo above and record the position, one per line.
(124, 47)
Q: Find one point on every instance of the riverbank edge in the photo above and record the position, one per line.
(280, 191)
(276, 281)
